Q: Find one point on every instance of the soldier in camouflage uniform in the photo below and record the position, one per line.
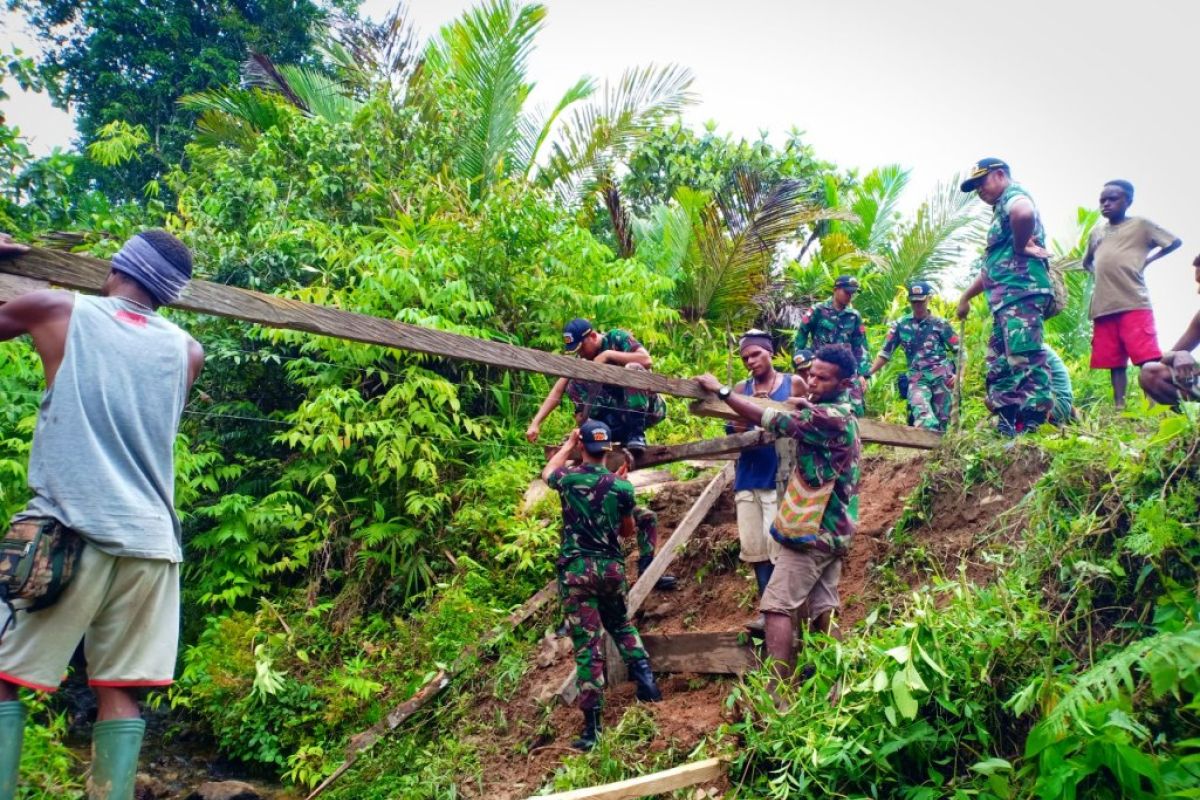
(597, 508)
(1016, 278)
(836, 322)
(627, 412)
(930, 345)
(829, 450)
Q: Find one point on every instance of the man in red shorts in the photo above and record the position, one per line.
(1118, 254)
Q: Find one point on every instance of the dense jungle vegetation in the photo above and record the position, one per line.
(351, 511)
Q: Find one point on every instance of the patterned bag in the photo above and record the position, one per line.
(798, 521)
(37, 560)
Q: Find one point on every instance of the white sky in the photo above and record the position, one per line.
(1071, 93)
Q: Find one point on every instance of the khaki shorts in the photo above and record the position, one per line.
(803, 575)
(126, 610)
(756, 509)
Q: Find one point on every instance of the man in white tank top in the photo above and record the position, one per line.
(117, 376)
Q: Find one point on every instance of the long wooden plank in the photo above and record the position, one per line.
(41, 267)
(869, 430)
(721, 653)
(710, 769)
(656, 455)
(663, 558)
(85, 273)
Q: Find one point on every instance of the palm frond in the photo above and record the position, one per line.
(536, 129)
(484, 55)
(367, 53)
(605, 130)
(619, 216)
(310, 91)
(233, 116)
(874, 202)
(737, 238)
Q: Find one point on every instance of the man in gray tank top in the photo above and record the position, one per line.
(102, 464)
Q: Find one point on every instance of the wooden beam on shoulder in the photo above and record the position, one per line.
(710, 769)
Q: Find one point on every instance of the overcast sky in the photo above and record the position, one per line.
(1071, 93)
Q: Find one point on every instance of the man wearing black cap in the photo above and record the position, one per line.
(1016, 278)
(930, 345)
(836, 322)
(627, 412)
(597, 508)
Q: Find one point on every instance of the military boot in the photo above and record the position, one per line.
(647, 689)
(1006, 421)
(665, 583)
(591, 730)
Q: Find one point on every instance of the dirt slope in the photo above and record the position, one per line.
(524, 739)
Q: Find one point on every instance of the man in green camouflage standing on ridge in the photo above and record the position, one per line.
(836, 322)
(930, 345)
(597, 508)
(1016, 278)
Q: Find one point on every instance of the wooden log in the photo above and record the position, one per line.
(432, 688)
(663, 558)
(721, 653)
(869, 430)
(710, 769)
(85, 273)
(40, 268)
(658, 454)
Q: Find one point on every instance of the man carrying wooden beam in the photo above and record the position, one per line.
(100, 531)
(819, 511)
(755, 494)
(626, 412)
(597, 509)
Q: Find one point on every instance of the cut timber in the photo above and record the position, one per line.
(433, 687)
(663, 558)
(869, 430)
(85, 273)
(710, 769)
(657, 454)
(722, 653)
(40, 268)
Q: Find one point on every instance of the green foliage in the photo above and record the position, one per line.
(48, 768)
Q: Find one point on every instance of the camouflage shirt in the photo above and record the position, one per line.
(824, 324)
(620, 340)
(828, 450)
(929, 344)
(593, 502)
(1008, 277)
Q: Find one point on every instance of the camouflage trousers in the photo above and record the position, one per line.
(930, 398)
(627, 412)
(858, 399)
(593, 597)
(647, 531)
(1018, 374)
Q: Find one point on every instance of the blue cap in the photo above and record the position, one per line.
(847, 282)
(573, 333)
(803, 359)
(980, 171)
(596, 436)
(920, 290)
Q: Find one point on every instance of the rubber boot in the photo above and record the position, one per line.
(12, 734)
(115, 747)
(647, 689)
(666, 583)
(762, 575)
(591, 730)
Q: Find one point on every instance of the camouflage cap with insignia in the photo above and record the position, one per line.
(847, 282)
(921, 290)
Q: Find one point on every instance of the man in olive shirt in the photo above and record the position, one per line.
(1118, 253)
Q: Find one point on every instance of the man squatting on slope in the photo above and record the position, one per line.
(828, 454)
(755, 484)
(1016, 279)
(930, 345)
(1118, 252)
(835, 321)
(1174, 379)
(102, 464)
(597, 508)
(627, 412)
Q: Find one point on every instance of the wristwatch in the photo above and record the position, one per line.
(724, 392)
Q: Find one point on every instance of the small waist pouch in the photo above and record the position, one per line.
(38, 558)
